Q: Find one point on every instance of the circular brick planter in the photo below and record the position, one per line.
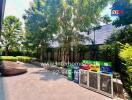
(8, 68)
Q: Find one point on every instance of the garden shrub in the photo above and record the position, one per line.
(106, 52)
(109, 52)
(8, 58)
(24, 58)
(17, 58)
(126, 56)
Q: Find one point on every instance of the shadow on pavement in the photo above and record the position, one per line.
(30, 65)
(47, 76)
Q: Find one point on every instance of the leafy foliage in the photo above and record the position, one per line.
(12, 33)
(106, 19)
(8, 58)
(126, 56)
(61, 20)
(107, 51)
(25, 59)
(122, 35)
(17, 58)
(126, 53)
(39, 21)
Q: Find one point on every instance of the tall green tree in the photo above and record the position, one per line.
(11, 33)
(65, 18)
(78, 16)
(41, 22)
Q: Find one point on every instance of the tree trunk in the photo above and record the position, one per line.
(6, 50)
(76, 55)
(63, 55)
(41, 53)
(58, 54)
(94, 51)
(67, 55)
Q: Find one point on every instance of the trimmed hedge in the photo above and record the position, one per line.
(17, 58)
(8, 58)
(24, 58)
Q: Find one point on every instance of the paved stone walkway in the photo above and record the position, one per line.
(39, 84)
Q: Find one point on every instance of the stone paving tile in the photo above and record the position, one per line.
(39, 84)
